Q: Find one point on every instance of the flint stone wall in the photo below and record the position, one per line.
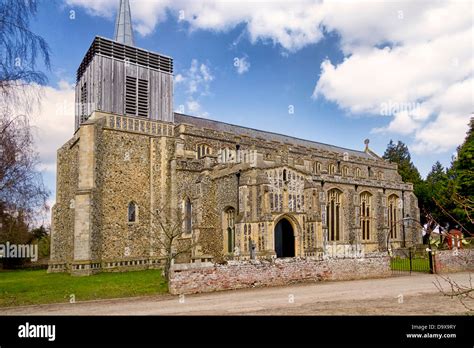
(208, 277)
(454, 261)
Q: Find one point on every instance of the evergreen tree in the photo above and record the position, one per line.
(461, 184)
(436, 188)
(398, 153)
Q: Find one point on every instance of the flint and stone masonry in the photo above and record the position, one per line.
(245, 193)
(208, 277)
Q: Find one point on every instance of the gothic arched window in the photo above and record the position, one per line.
(334, 215)
(229, 227)
(345, 171)
(203, 150)
(332, 169)
(318, 167)
(358, 173)
(365, 214)
(393, 216)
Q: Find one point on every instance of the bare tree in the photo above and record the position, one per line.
(21, 186)
(453, 289)
(20, 46)
(168, 226)
(466, 204)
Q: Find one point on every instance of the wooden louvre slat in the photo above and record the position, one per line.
(119, 51)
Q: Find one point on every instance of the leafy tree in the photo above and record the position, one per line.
(463, 166)
(435, 188)
(398, 153)
(462, 182)
(39, 232)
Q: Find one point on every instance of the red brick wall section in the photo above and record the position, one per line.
(454, 260)
(208, 277)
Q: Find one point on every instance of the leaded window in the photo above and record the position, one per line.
(393, 216)
(334, 215)
(365, 214)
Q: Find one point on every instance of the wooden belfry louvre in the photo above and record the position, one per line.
(124, 80)
(136, 97)
(142, 92)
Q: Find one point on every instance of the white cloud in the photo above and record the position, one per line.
(242, 65)
(194, 107)
(407, 52)
(53, 122)
(197, 78)
(196, 83)
(423, 60)
(291, 24)
(178, 79)
(103, 8)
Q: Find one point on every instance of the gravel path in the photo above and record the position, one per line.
(404, 295)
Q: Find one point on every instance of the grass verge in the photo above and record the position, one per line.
(27, 287)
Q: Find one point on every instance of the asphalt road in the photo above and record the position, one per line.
(403, 295)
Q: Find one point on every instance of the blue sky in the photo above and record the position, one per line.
(334, 72)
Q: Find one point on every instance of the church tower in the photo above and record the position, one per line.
(117, 77)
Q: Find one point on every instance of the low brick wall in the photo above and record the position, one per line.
(208, 277)
(454, 261)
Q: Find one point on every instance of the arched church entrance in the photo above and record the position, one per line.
(284, 239)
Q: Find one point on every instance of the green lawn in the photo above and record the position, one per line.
(28, 287)
(418, 264)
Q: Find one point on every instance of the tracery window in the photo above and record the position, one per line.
(365, 214)
(393, 216)
(345, 171)
(229, 226)
(203, 150)
(334, 215)
(247, 237)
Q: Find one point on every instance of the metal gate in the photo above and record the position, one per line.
(408, 260)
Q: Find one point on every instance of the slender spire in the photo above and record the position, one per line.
(123, 24)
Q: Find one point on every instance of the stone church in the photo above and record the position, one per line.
(243, 193)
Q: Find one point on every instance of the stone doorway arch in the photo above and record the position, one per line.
(284, 239)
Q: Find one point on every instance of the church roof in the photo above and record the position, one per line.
(269, 136)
